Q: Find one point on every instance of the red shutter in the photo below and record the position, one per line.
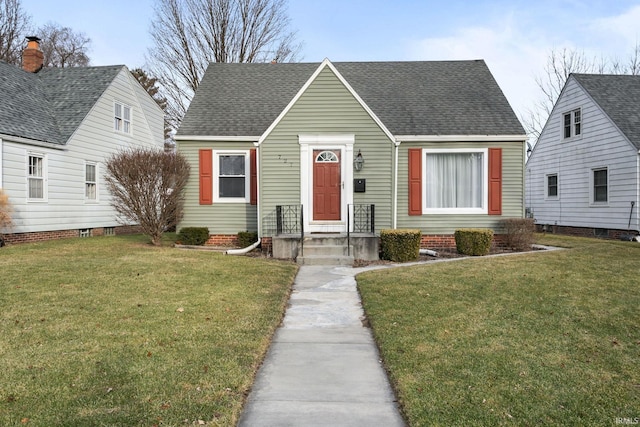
(495, 181)
(254, 177)
(415, 181)
(206, 176)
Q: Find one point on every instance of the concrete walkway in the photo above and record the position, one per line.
(323, 368)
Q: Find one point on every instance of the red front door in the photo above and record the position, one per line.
(326, 185)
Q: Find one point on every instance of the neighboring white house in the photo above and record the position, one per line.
(58, 126)
(583, 176)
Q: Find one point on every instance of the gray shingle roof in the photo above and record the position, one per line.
(619, 98)
(410, 98)
(50, 105)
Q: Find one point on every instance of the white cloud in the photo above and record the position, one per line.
(624, 26)
(514, 59)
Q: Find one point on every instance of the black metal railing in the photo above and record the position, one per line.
(364, 218)
(364, 221)
(290, 220)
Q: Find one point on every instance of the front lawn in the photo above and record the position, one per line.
(112, 331)
(531, 339)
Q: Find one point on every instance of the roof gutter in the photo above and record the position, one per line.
(35, 143)
(460, 138)
(229, 138)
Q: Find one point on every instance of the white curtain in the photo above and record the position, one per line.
(454, 180)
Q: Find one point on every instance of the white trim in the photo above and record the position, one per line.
(485, 183)
(1, 170)
(27, 141)
(308, 143)
(217, 138)
(592, 195)
(123, 106)
(45, 193)
(216, 177)
(96, 182)
(546, 187)
(395, 191)
(460, 138)
(325, 63)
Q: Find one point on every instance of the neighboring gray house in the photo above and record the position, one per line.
(583, 176)
(57, 128)
(357, 146)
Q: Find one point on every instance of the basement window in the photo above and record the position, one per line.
(84, 232)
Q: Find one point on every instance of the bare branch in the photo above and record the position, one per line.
(14, 26)
(62, 47)
(146, 186)
(189, 34)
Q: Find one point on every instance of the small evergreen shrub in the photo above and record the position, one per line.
(193, 236)
(247, 238)
(473, 241)
(519, 233)
(400, 245)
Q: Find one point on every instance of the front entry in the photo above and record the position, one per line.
(326, 185)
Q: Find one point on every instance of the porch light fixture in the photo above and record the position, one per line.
(358, 162)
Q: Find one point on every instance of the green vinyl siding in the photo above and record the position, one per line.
(325, 108)
(512, 190)
(220, 218)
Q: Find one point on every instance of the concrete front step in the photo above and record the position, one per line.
(324, 259)
(326, 249)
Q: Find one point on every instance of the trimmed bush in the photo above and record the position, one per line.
(193, 236)
(473, 241)
(400, 245)
(518, 233)
(247, 238)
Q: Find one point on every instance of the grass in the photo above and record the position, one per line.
(532, 339)
(110, 331)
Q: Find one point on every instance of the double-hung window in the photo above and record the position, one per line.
(572, 125)
(122, 115)
(552, 186)
(455, 181)
(231, 176)
(600, 186)
(36, 177)
(91, 181)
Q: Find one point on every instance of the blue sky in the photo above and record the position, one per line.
(514, 37)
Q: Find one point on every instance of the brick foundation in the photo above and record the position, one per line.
(42, 236)
(225, 240)
(603, 233)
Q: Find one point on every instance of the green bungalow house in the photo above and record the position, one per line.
(299, 150)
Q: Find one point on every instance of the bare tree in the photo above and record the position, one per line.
(189, 34)
(63, 47)
(14, 25)
(146, 188)
(560, 64)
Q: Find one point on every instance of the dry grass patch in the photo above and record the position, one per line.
(113, 331)
(531, 339)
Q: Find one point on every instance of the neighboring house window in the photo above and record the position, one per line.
(35, 178)
(122, 115)
(231, 175)
(90, 181)
(455, 181)
(572, 123)
(552, 185)
(600, 186)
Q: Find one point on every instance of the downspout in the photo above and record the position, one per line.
(1, 170)
(251, 247)
(243, 250)
(395, 187)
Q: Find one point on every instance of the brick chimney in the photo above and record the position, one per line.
(32, 56)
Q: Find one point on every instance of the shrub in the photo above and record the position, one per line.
(518, 233)
(193, 235)
(400, 245)
(473, 241)
(247, 238)
(5, 214)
